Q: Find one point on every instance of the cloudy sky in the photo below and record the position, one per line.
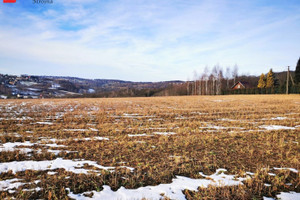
(147, 40)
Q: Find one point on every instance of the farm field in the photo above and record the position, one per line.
(197, 147)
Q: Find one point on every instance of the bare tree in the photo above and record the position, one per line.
(235, 72)
(195, 82)
(200, 84)
(228, 76)
(205, 77)
(188, 86)
(219, 82)
(214, 74)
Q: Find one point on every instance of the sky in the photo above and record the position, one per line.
(148, 40)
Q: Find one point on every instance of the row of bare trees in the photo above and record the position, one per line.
(211, 82)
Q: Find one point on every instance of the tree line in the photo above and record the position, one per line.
(212, 82)
(216, 81)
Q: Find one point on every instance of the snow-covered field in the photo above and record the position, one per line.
(150, 148)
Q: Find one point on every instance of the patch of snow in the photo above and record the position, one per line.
(250, 173)
(11, 146)
(68, 165)
(159, 128)
(27, 83)
(134, 114)
(210, 126)
(288, 196)
(100, 138)
(171, 190)
(138, 135)
(93, 138)
(29, 131)
(278, 118)
(291, 169)
(226, 119)
(91, 90)
(10, 184)
(164, 133)
(56, 152)
(181, 117)
(45, 123)
(54, 145)
(268, 198)
(276, 127)
(52, 173)
(82, 130)
(34, 189)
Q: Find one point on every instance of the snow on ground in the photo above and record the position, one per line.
(138, 135)
(133, 115)
(164, 133)
(75, 139)
(10, 134)
(274, 118)
(267, 198)
(211, 126)
(81, 130)
(10, 184)
(45, 123)
(54, 145)
(11, 146)
(276, 127)
(278, 118)
(288, 196)
(68, 165)
(100, 138)
(285, 196)
(291, 169)
(93, 138)
(172, 190)
(154, 133)
(226, 119)
(52, 173)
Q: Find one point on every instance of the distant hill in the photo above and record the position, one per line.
(32, 86)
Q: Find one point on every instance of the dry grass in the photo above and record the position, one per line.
(210, 133)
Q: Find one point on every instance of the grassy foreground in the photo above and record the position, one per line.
(160, 138)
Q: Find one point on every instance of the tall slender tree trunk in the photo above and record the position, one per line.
(200, 87)
(206, 89)
(188, 88)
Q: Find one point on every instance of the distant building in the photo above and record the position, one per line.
(240, 85)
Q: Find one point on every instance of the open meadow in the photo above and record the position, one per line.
(196, 147)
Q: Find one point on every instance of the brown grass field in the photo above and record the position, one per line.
(159, 138)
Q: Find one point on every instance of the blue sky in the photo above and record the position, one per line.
(148, 40)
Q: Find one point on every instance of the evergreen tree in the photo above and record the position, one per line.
(270, 79)
(297, 72)
(262, 81)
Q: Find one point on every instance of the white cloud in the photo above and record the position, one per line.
(147, 40)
